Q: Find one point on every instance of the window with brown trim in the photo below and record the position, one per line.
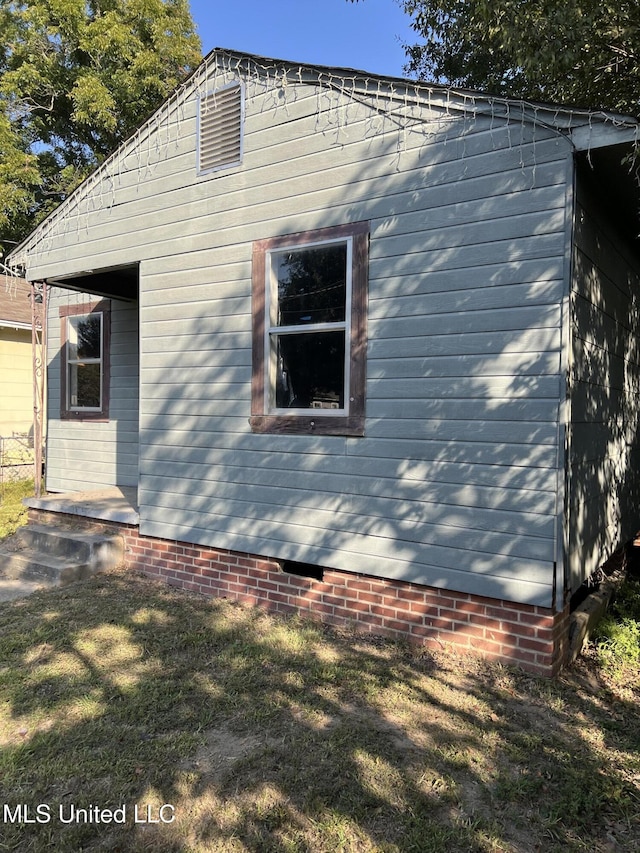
(310, 331)
(84, 361)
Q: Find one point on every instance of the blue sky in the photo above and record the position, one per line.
(366, 35)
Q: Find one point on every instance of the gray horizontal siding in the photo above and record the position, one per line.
(454, 483)
(281, 169)
(466, 441)
(432, 521)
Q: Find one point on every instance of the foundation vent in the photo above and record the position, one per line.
(303, 570)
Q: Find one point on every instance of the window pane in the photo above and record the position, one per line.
(84, 386)
(310, 371)
(312, 285)
(84, 336)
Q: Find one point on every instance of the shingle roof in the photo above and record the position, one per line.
(15, 306)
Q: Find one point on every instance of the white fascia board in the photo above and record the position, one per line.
(8, 324)
(588, 137)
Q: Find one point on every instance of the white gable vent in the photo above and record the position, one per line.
(220, 120)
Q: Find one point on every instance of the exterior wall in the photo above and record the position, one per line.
(604, 448)
(92, 454)
(16, 382)
(534, 638)
(455, 483)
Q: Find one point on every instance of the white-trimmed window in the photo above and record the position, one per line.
(220, 128)
(309, 335)
(85, 371)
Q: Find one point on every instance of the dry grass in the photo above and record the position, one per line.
(265, 734)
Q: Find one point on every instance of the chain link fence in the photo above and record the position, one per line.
(16, 459)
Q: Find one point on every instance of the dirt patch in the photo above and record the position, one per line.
(220, 752)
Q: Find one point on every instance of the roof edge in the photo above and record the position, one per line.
(577, 124)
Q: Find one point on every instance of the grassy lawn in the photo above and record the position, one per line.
(12, 513)
(261, 734)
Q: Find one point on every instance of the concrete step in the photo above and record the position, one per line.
(37, 564)
(99, 549)
(43, 556)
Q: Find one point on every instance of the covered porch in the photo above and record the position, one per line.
(93, 381)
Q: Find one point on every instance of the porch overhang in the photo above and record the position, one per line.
(612, 175)
(110, 282)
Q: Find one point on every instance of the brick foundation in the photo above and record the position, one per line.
(535, 638)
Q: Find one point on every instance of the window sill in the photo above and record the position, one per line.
(297, 425)
(99, 417)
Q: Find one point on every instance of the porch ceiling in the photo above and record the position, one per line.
(112, 282)
(612, 173)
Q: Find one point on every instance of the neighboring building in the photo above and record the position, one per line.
(364, 347)
(16, 360)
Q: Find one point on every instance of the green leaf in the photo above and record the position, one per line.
(76, 79)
